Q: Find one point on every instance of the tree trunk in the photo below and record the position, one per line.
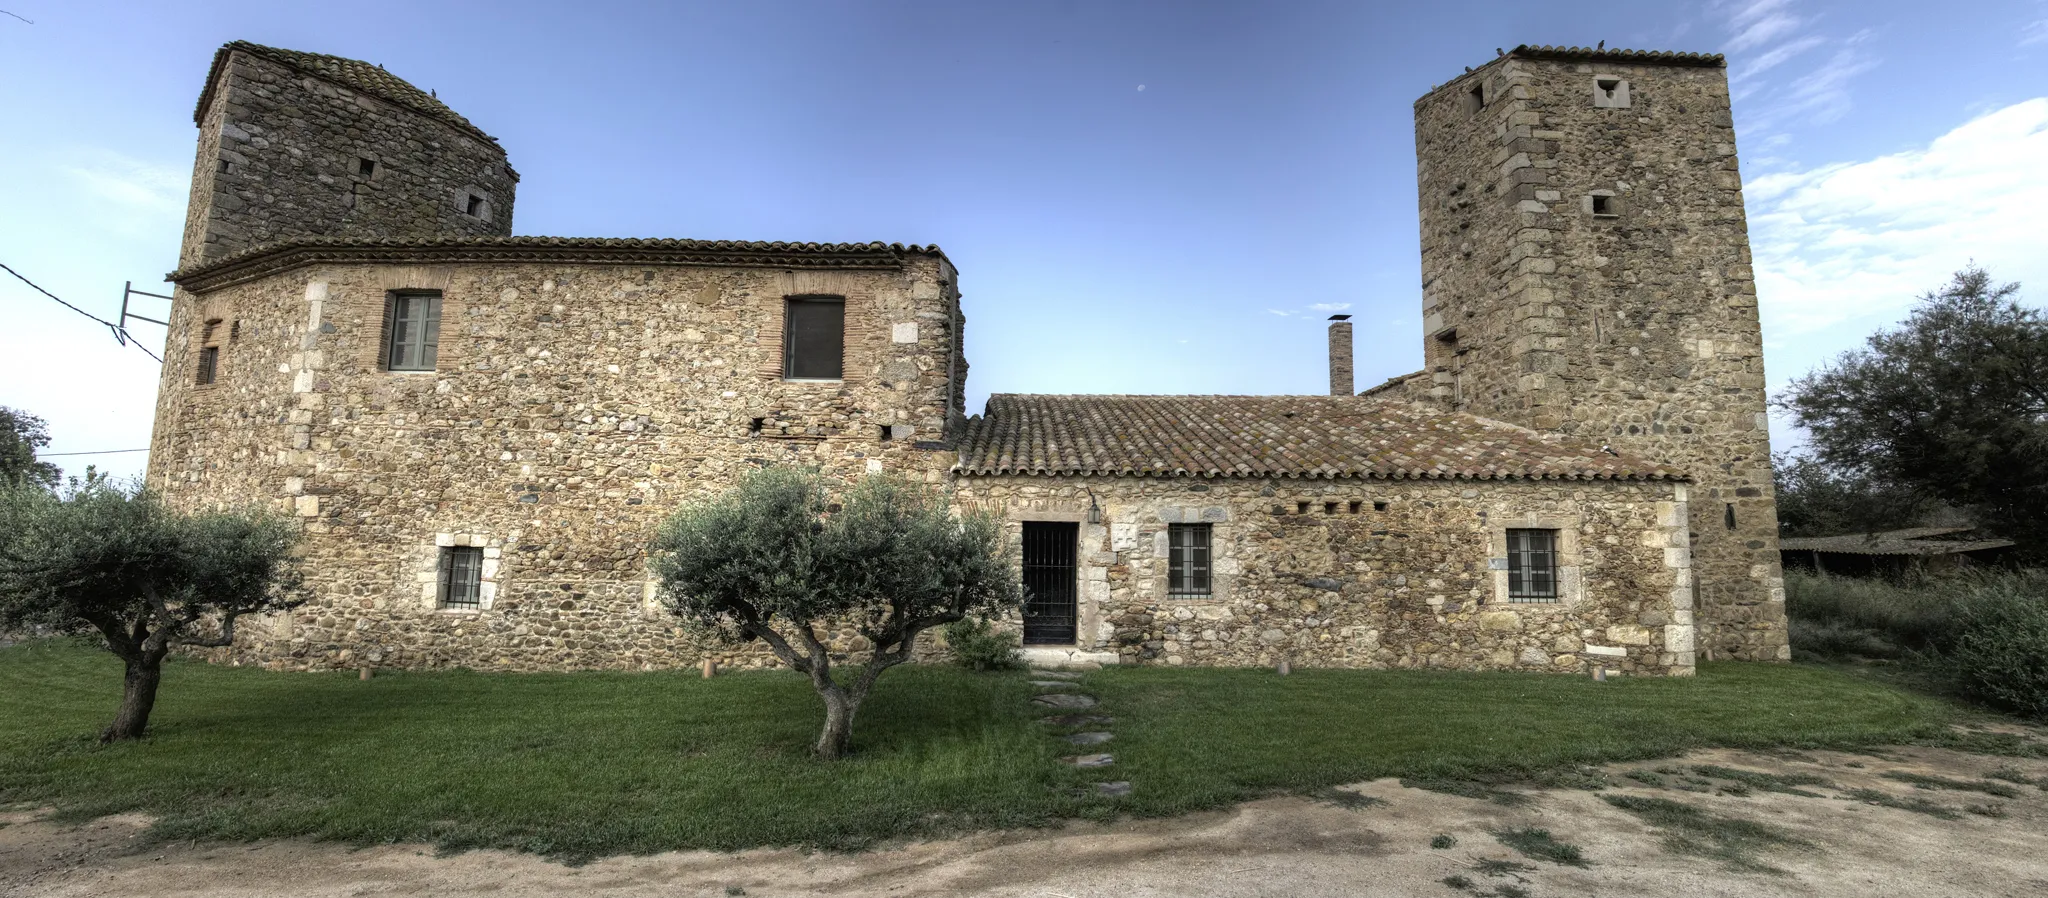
(839, 710)
(138, 696)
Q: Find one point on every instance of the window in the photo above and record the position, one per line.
(368, 167)
(462, 575)
(412, 327)
(814, 338)
(475, 206)
(1731, 515)
(209, 364)
(1603, 205)
(1475, 99)
(1532, 565)
(1187, 563)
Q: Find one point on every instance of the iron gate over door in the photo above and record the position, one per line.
(1050, 599)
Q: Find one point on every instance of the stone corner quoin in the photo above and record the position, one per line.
(480, 432)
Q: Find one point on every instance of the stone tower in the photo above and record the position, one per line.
(295, 144)
(1586, 272)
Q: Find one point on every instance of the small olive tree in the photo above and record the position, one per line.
(770, 560)
(114, 561)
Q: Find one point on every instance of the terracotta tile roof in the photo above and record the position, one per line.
(353, 74)
(1603, 54)
(270, 258)
(1911, 541)
(1270, 436)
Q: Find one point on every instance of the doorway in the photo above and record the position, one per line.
(1051, 593)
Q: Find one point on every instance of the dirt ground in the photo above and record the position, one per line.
(1277, 847)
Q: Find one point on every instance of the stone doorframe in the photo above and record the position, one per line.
(1091, 562)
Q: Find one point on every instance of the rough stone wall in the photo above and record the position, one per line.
(1371, 573)
(573, 408)
(1636, 325)
(280, 153)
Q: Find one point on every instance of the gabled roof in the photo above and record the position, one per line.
(1910, 541)
(1271, 436)
(353, 74)
(271, 258)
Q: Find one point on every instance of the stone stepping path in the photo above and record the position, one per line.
(1057, 683)
(1065, 700)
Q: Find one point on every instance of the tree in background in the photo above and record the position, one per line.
(1817, 500)
(115, 561)
(770, 560)
(21, 434)
(1952, 405)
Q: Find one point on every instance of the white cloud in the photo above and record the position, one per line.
(1851, 244)
(2035, 33)
(127, 195)
(1330, 306)
(1760, 22)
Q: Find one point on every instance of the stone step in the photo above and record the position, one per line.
(1053, 684)
(1065, 700)
(1089, 760)
(1089, 738)
(1054, 674)
(1116, 789)
(1077, 720)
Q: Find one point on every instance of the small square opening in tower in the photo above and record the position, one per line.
(475, 206)
(1610, 92)
(1475, 99)
(1603, 205)
(368, 167)
(226, 166)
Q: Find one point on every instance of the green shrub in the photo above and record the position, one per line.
(1847, 616)
(1999, 654)
(978, 645)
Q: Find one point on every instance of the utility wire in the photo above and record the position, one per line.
(100, 452)
(119, 331)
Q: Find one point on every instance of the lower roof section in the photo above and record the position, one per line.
(1272, 436)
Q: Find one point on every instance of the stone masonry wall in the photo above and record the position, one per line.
(1632, 322)
(1372, 573)
(573, 408)
(280, 155)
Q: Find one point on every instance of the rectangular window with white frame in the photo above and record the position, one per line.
(461, 578)
(1188, 561)
(412, 330)
(1532, 565)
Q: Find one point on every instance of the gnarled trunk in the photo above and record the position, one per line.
(138, 696)
(840, 708)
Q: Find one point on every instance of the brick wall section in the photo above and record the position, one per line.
(292, 141)
(1637, 329)
(574, 407)
(1407, 585)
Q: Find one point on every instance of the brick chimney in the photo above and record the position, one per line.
(1340, 355)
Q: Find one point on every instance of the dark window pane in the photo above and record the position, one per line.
(462, 570)
(209, 364)
(1187, 559)
(1532, 565)
(815, 339)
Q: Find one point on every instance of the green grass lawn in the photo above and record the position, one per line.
(589, 764)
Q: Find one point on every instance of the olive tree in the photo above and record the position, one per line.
(772, 560)
(116, 562)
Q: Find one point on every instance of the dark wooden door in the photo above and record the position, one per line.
(1051, 594)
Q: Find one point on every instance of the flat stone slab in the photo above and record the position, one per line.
(1089, 760)
(1077, 720)
(1089, 738)
(1114, 790)
(1065, 700)
(1053, 684)
(1054, 675)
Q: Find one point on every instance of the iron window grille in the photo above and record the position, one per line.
(412, 324)
(1532, 565)
(209, 365)
(814, 338)
(1187, 568)
(462, 575)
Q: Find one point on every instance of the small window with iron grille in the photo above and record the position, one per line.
(814, 338)
(1187, 568)
(1532, 565)
(412, 331)
(462, 575)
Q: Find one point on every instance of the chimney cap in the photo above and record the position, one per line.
(1340, 318)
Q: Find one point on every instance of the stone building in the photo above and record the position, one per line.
(480, 432)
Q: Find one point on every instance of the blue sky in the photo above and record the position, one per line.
(1163, 197)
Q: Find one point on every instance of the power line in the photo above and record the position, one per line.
(120, 333)
(100, 452)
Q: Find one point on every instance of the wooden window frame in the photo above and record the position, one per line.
(1190, 561)
(209, 367)
(790, 304)
(460, 579)
(426, 340)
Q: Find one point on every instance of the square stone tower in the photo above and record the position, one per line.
(1586, 272)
